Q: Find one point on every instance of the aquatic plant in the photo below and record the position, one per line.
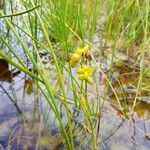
(65, 31)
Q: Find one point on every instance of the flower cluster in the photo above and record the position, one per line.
(84, 72)
(78, 54)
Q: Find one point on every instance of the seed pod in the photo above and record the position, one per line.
(88, 56)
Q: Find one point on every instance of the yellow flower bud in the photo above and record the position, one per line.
(77, 55)
(86, 48)
(79, 51)
(74, 59)
(83, 50)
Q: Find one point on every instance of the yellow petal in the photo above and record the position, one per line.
(86, 75)
(90, 71)
(82, 77)
(80, 71)
(75, 57)
(89, 80)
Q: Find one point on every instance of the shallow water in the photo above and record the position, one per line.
(21, 116)
(26, 121)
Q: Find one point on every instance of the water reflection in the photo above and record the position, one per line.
(131, 132)
(2, 4)
(29, 86)
(26, 120)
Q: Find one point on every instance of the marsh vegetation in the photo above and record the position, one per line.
(74, 74)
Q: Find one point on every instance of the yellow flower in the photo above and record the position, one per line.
(83, 50)
(85, 73)
(74, 59)
(77, 55)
